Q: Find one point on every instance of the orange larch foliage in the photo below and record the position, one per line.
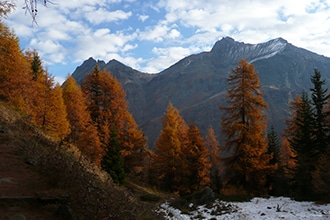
(287, 158)
(55, 121)
(83, 132)
(168, 166)
(109, 110)
(215, 151)
(14, 70)
(198, 164)
(244, 125)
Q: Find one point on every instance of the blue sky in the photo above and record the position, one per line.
(151, 35)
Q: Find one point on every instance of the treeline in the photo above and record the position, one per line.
(252, 161)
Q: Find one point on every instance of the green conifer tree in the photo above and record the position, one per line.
(112, 161)
(303, 143)
(320, 98)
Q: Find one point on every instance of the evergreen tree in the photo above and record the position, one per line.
(304, 138)
(276, 180)
(320, 154)
(320, 98)
(273, 146)
(112, 161)
(303, 142)
(244, 125)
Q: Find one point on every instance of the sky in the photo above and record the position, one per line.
(151, 35)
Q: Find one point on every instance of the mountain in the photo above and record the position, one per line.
(196, 85)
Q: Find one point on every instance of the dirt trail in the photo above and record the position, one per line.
(24, 193)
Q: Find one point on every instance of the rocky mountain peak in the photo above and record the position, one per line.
(234, 50)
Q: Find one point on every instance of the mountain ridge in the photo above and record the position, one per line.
(196, 84)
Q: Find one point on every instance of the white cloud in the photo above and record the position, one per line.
(143, 17)
(166, 57)
(156, 33)
(71, 31)
(101, 15)
(174, 34)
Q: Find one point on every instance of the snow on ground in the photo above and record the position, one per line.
(256, 209)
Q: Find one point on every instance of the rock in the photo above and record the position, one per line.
(31, 161)
(206, 196)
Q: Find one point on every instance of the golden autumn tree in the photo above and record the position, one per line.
(55, 121)
(109, 111)
(288, 154)
(214, 148)
(198, 165)
(244, 125)
(14, 70)
(83, 132)
(168, 166)
(46, 106)
(288, 159)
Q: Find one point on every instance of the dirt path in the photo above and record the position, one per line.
(23, 193)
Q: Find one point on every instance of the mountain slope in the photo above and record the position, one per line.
(196, 85)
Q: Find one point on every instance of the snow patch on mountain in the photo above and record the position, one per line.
(269, 49)
(228, 47)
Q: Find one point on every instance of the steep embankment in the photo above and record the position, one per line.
(23, 192)
(40, 180)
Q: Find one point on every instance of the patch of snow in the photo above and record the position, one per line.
(254, 52)
(256, 209)
(269, 49)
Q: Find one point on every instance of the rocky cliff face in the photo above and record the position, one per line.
(196, 85)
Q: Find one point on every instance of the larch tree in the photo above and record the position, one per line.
(109, 110)
(55, 117)
(288, 160)
(168, 166)
(288, 154)
(42, 85)
(214, 148)
(244, 125)
(14, 70)
(196, 155)
(83, 132)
